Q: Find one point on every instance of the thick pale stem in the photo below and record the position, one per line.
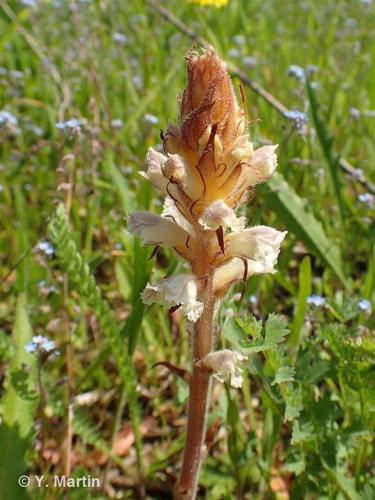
(199, 383)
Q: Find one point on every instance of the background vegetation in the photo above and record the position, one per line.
(85, 87)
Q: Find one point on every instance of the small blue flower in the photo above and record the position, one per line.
(316, 301)
(7, 119)
(358, 173)
(45, 247)
(30, 347)
(234, 53)
(38, 343)
(297, 72)
(299, 120)
(365, 306)
(120, 38)
(249, 61)
(117, 124)
(239, 40)
(367, 199)
(151, 119)
(351, 23)
(354, 113)
(253, 299)
(137, 81)
(71, 124)
(311, 69)
(29, 3)
(17, 75)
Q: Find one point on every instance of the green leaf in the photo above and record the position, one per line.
(302, 432)
(293, 399)
(292, 210)
(275, 332)
(18, 407)
(251, 326)
(284, 374)
(275, 329)
(141, 271)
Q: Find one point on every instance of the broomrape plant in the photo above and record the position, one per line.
(206, 173)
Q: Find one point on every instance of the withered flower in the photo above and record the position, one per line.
(206, 172)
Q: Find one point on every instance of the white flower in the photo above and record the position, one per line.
(174, 167)
(179, 290)
(155, 230)
(226, 366)
(154, 173)
(219, 214)
(262, 165)
(170, 211)
(238, 269)
(259, 243)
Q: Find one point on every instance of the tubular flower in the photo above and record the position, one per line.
(208, 168)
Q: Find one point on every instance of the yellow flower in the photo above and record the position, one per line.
(208, 3)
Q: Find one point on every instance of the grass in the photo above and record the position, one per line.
(310, 437)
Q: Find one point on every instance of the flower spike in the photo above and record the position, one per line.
(208, 170)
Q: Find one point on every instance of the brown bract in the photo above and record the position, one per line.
(207, 100)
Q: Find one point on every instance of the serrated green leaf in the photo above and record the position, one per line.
(292, 210)
(275, 329)
(295, 467)
(251, 326)
(302, 432)
(19, 403)
(284, 374)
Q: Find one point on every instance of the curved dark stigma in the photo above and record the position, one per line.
(154, 252)
(174, 308)
(164, 141)
(220, 238)
(187, 241)
(169, 194)
(202, 179)
(170, 217)
(244, 277)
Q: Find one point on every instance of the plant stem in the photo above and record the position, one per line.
(199, 382)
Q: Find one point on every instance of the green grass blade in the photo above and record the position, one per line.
(326, 142)
(304, 280)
